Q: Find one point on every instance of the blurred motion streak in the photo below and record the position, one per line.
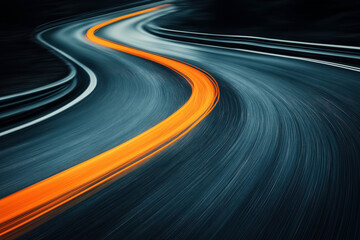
(24, 209)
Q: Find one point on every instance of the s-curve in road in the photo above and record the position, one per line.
(36, 202)
(269, 150)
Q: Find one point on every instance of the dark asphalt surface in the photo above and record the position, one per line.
(278, 158)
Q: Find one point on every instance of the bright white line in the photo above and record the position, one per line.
(347, 67)
(260, 38)
(70, 76)
(89, 89)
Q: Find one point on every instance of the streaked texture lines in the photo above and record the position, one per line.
(35, 201)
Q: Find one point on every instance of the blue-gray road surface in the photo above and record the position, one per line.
(278, 158)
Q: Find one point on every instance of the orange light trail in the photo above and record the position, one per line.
(25, 208)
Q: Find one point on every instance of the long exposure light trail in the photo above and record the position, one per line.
(29, 207)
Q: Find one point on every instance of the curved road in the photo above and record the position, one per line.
(278, 157)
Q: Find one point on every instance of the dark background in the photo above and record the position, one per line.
(25, 64)
(327, 21)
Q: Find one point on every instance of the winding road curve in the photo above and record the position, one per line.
(278, 157)
(31, 203)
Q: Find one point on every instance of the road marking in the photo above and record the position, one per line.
(90, 88)
(261, 38)
(26, 208)
(332, 64)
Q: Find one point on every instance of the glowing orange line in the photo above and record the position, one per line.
(22, 208)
